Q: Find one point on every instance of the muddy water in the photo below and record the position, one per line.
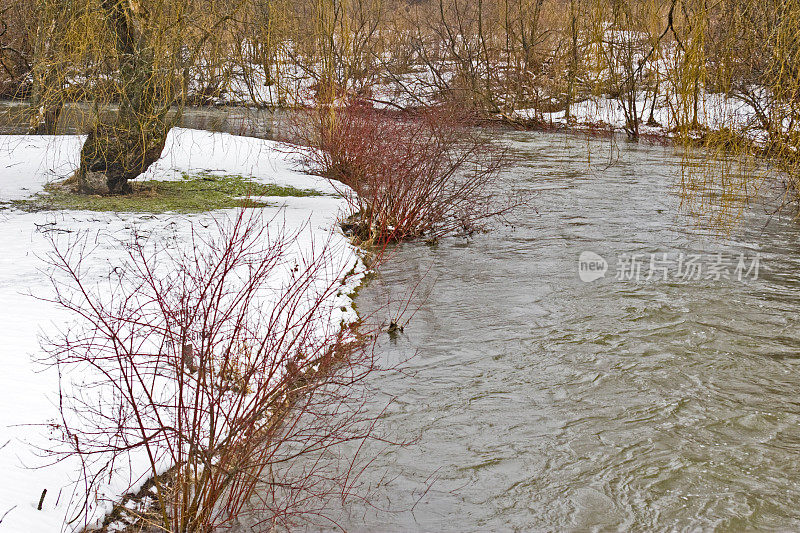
(543, 402)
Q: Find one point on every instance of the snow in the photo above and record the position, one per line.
(715, 111)
(27, 388)
(27, 163)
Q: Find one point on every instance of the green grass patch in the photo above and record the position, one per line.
(192, 194)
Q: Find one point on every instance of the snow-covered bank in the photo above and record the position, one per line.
(27, 389)
(715, 112)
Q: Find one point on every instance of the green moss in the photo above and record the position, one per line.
(194, 193)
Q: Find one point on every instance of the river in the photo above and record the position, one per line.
(539, 401)
(657, 397)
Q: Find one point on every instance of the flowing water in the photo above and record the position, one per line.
(539, 401)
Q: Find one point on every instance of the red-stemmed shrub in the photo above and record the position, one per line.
(426, 173)
(216, 368)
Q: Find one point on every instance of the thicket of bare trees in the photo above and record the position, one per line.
(17, 42)
(499, 55)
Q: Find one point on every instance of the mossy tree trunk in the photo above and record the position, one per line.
(118, 151)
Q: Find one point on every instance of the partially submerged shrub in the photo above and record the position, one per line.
(219, 362)
(422, 174)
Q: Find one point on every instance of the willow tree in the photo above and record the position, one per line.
(137, 55)
(783, 82)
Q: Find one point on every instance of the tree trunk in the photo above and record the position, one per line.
(117, 152)
(114, 154)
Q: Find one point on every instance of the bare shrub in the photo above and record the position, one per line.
(422, 174)
(218, 366)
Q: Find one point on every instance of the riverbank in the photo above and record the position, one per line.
(28, 390)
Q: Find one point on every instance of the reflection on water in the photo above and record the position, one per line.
(76, 118)
(543, 402)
